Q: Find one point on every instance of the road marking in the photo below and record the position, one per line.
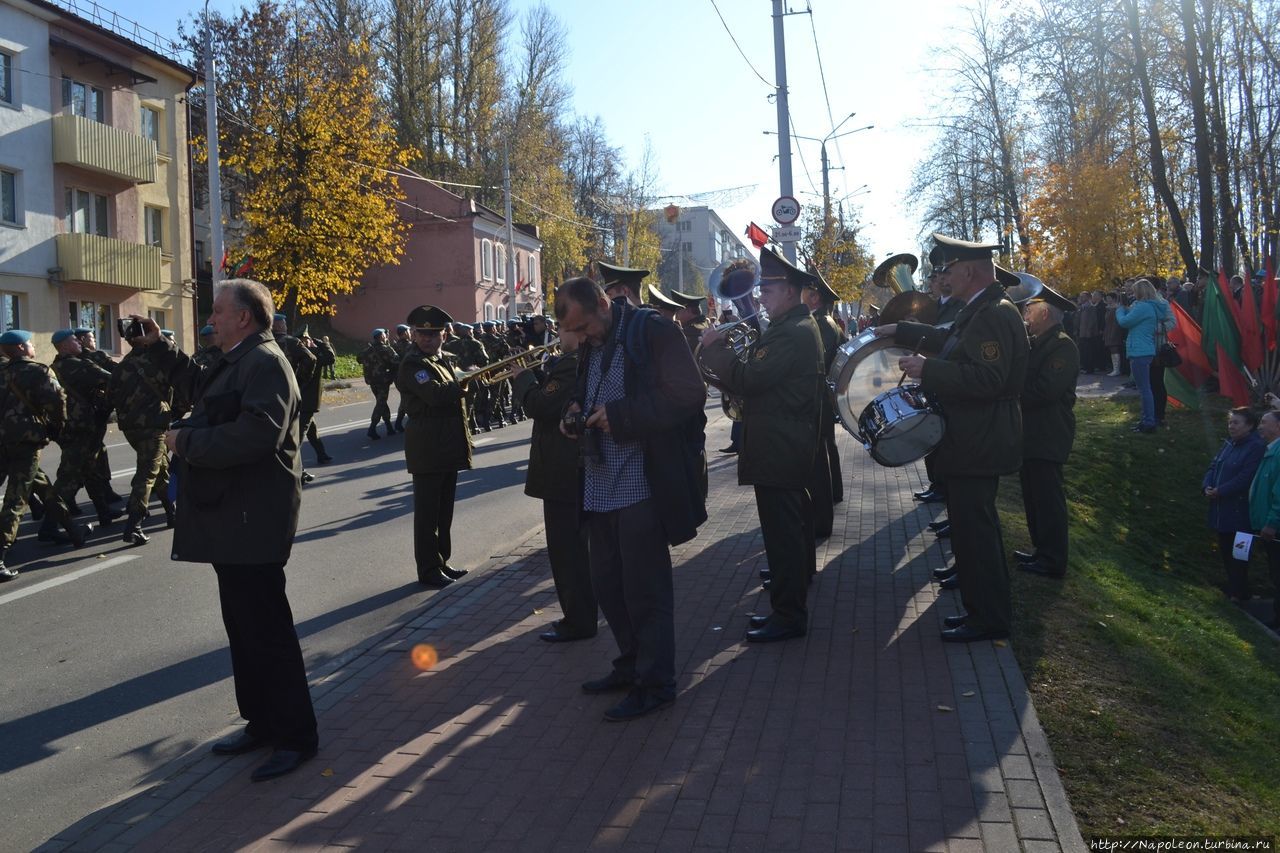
(67, 578)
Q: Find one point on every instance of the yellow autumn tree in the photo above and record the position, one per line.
(835, 250)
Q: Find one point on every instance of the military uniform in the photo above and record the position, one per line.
(379, 363)
(311, 396)
(86, 384)
(499, 393)
(142, 397)
(976, 379)
(693, 331)
(401, 345)
(109, 364)
(306, 373)
(780, 386)
(1048, 430)
(821, 486)
(553, 478)
(469, 354)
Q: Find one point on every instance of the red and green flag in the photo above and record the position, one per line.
(1251, 348)
(1186, 337)
(1220, 332)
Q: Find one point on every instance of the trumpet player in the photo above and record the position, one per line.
(780, 383)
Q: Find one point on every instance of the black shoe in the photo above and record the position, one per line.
(113, 498)
(944, 574)
(434, 579)
(399, 424)
(324, 459)
(765, 574)
(36, 506)
(7, 573)
(238, 744)
(452, 573)
(927, 493)
(639, 701)
(758, 621)
(766, 584)
(611, 683)
(52, 538)
(307, 477)
(965, 634)
(1039, 568)
(933, 498)
(390, 429)
(955, 621)
(282, 761)
(772, 633)
(952, 582)
(1025, 556)
(78, 533)
(74, 509)
(108, 514)
(944, 531)
(373, 433)
(133, 535)
(561, 635)
(731, 449)
(939, 524)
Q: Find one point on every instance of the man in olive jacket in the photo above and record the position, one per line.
(238, 497)
(780, 384)
(975, 374)
(437, 443)
(824, 482)
(1048, 430)
(553, 477)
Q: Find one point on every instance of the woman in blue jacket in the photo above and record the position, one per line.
(1226, 485)
(1142, 318)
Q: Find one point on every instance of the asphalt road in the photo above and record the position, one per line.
(115, 659)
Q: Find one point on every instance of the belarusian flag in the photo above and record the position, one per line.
(1220, 332)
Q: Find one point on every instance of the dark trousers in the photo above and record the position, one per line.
(1045, 504)
(833, 459)
(270, 677)
(1273, 565)
(786, 525)
(936, 481)
(1237, 570)
(1158, 392)
(823, 515)
(631, 575)
(570, 565)
(433, 496)
(979, 551)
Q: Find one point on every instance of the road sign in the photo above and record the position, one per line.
(786, 210)
(787, 235)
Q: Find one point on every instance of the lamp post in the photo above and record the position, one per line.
(826, 181)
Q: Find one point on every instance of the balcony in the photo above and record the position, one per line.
(105, 260)
(90, 144)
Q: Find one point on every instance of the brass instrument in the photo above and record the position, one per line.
(735, 280)
(505, 368)
(896, 273)
(1027, 288)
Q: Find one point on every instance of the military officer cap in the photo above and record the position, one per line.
(61, 335)
(377, 332)
(824, 289)
(658, 299)
(1006, 277)
(1054, 298)
(206, 331)
(402, 328)
(947, 249)
(774, 268)
(428, 318)
(611, 276)
(686, 299)
(15, 338)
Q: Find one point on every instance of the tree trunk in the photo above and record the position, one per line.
(1203, 142)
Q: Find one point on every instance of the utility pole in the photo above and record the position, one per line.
(784, 127)
(211, 135)
(511, 235)
(826, 193)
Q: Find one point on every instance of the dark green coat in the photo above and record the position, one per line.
(436, 439)
(85, 383)
(781, 386)
(830, 334)
(553, 458)
(1048, 396)
(693, 332)
(33, 409)
(141, 393)
(976, 379)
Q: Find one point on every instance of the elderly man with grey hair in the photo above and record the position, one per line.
(238, 497)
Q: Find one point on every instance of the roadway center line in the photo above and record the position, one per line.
(67, 578)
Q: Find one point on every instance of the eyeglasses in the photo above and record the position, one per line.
(943, 269)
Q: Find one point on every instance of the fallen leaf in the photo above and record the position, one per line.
(1103, 624)
(328, 771)
(537, 612)
(717, 628)
(967, 694)
(1000, 643)
(945, 708)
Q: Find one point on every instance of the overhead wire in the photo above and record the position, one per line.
(741, 53)
(822, 75)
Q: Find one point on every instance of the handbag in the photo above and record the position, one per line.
(1167, 355)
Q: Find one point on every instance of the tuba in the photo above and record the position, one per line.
(1027, 288)
(896, 273)
(734, 281)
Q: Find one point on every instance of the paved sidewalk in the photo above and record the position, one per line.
(868, 734)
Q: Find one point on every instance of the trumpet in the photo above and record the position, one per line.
(503, 369)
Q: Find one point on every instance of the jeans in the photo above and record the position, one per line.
(1141, 367)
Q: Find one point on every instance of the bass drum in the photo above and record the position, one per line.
(864, 367)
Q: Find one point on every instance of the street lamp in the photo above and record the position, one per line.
(826, 182)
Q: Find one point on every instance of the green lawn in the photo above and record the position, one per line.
(1160, 698)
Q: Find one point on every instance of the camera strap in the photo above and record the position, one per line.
(616, 338)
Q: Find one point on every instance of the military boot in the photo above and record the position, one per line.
(48, 532)
(107, 514)
(6, 573)
(390, 429)
(400, 423)
(133, 534)
(170, 511)
(36, 505)
(373, 431)
(76, 531)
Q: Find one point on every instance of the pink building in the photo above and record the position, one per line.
(455, 258)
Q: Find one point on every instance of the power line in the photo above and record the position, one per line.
(822, 75)
(725, 24)
(800, 154)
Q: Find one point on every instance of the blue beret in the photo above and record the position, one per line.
(205, 331)
(81, 331)
(280, 317)
(168, 333)
(402, 328)
(14, 337)
(61, 335)
(377, 332)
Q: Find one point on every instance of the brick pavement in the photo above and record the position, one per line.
(868, 734)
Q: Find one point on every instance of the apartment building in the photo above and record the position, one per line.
(95, 207)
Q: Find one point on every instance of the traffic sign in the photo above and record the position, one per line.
(786, 210)
(787, 235)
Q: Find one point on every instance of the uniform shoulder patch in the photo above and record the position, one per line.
(422, 376)
(551, 387)
(1057, 364)
(761, 353)
(990, 350)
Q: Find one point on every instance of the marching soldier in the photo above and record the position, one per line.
(780, 384)
(143, 399)
(32, 411)
(500, 392)
(306, 373)
(470, 354)
(89, 344)
(311, 396)
(437, 443)
(208, 353)
(818, 298)
(401, 343)
(378, 360)
(85, 383)
(976, 377)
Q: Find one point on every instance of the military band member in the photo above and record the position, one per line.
(1048, 430)
(553, 478)
(819, 299)
(621, 282)
(976, 378)
(780, 384)
(437, 443)
(663, 304)
(470, 354)
(378, 360)
(85, 383)
(498, 393)
(692, 316)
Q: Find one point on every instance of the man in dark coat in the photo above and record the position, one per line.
(239, 490)
(826, 486)
(1048, 430)
(780, 384)
(553, 478)
(437, 443)
(638, 390)
(975, 373)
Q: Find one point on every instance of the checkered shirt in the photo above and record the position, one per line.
(618, 481)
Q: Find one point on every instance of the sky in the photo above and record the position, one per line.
(667, 73)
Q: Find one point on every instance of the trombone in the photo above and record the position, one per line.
(503, 369)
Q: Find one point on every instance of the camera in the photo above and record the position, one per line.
(589, 447)
(129, 329)
(575, 423)
(1126, 299)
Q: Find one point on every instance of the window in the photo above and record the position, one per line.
(81, 99)
(486, 260)
(687, 247)
(533, 272)
(9, 316)
(151, 124)
(153, 221)
(502, 314)
(8, 197)
(684, 225)
(488, 313)
(158, 316)
(106, 327)
(199, 254)
(502, 263)
(95, 317)
(6, 78)
(86, 212)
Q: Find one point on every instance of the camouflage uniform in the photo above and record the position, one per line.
(85, 383)
(379, 362)
(207, 356)
(401, 346)
(143, 399)
(103, 471)
(469, 354)
(305, 370)
(499, 392)
(32, 411)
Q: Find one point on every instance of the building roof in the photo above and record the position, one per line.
(119, 29)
